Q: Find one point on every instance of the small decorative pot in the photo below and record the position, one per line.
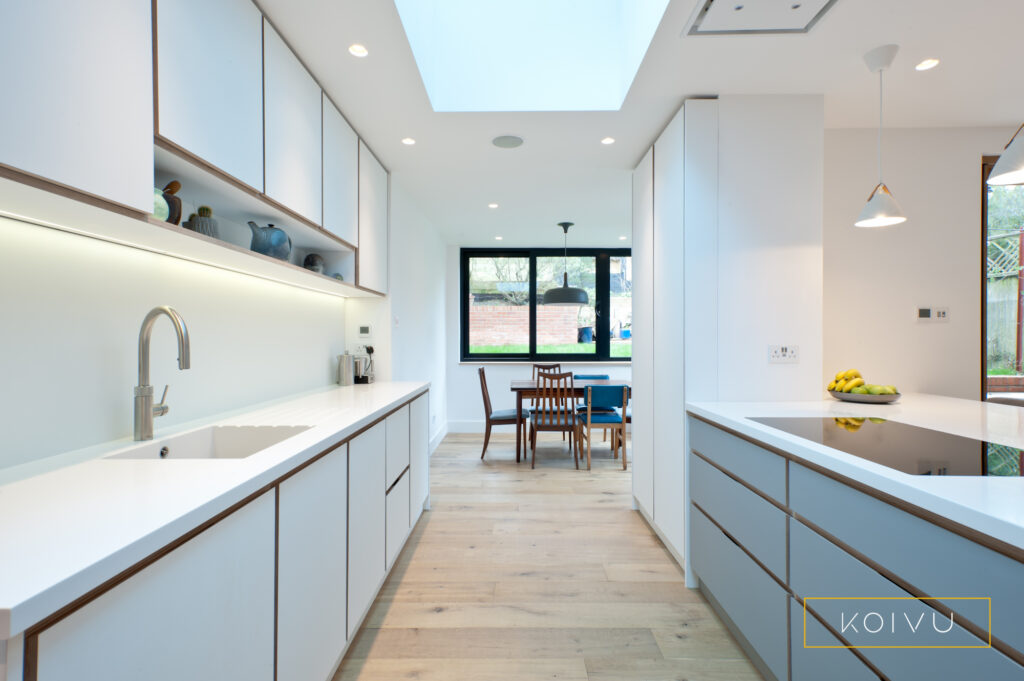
(314, 262)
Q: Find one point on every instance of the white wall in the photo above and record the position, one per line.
(771, 164)
(876, 278)
(417, 294)
(465, 404)
(71, 309)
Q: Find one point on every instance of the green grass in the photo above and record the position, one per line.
(1002, 371)
(623, 350)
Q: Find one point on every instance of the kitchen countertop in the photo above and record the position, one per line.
(66, 531)
(993, 506)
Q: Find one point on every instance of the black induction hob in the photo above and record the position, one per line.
(910, 449)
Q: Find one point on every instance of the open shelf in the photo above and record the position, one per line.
(51, 209)
(235, 204)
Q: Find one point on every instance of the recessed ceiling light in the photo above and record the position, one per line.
(497, 238)
(927, 64)
(408, 141)
(608, 140)
(738, 7)
(622, 238)
(492, 205)
(507, 141)
(357, 50)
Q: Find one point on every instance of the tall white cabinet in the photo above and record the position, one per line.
(643, 334)
(373, 222)
(293, 124)
(341, 175)
(77, 83)
(419, 457)
(210, 79)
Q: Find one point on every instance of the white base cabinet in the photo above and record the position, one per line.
(205, 611)
(311, 570)
(397, 445)
(419, 457)
(366, 524)
(397, 519)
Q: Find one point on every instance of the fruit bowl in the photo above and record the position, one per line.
(864, 399)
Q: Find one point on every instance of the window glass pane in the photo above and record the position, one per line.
(621, 303)
(499, 305)
(563, 329)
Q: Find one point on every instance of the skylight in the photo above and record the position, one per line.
(529, 55)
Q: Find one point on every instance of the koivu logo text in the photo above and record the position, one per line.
(877, 623)
(897, 622)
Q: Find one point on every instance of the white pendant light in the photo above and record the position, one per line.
(1009, 169)
(881, 210)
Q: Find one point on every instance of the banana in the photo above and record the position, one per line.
(831, 386)
(853, 383)
(840, 384)
(851, 373)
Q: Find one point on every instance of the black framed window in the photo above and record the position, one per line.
(503, 317)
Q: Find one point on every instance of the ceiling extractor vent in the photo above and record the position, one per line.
(753, 17)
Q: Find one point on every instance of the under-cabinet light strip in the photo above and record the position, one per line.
(149, 249)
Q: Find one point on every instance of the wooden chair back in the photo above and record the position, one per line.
(487, 395)
(549, 368)
(555, 401)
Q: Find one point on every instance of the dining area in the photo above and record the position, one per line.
(575, 405)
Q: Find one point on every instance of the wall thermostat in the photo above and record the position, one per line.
(365, 331)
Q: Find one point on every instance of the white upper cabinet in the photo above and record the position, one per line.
(373, 222)
(77, 84)
(210, 82)
(341, 176)
(293, 126)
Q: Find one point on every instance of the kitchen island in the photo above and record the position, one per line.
(806, 516)
(129, 565)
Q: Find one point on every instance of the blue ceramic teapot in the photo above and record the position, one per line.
(270, 241)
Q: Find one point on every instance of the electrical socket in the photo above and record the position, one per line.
(923, 313)
(783, 354)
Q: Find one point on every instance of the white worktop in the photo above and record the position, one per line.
(66, 531)
(991, 505)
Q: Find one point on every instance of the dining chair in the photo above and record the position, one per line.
(614, 421)
(555, 411)
(537, 368)
(501, 417)
(582, 406)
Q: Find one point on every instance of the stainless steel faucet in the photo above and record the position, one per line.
(144, 408)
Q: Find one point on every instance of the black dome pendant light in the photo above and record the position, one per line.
(565, 294)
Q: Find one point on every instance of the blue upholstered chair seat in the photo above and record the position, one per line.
(502, 414)
(605, 417)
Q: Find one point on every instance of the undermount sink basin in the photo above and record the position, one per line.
(212, 442)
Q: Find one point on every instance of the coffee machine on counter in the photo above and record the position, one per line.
(357, 369)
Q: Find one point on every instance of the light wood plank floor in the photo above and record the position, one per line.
(521, 575)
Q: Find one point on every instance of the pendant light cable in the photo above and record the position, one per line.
(880, 71)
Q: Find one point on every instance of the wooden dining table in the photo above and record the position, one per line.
(528, 389)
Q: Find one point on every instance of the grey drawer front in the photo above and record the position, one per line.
(934, 560)
(760, 468)
(816, 664)
(820, 568)
(754, 602)
(752, 521)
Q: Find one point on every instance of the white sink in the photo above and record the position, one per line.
(212, 442)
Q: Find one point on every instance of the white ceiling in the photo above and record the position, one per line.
(562, 172)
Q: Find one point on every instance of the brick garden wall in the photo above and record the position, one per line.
(510, 324)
